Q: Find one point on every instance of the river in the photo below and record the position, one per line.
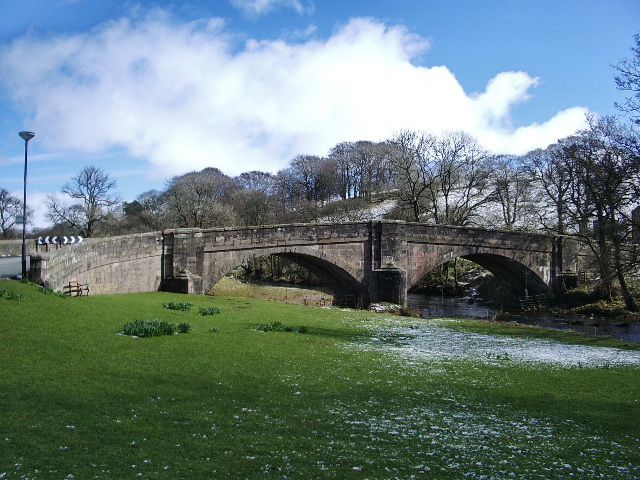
(431, 306)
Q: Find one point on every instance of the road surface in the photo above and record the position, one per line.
(12, 266)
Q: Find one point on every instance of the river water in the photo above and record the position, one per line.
(431, 306)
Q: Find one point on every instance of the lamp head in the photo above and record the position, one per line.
(26, 136)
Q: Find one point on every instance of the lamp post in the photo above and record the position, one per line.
(26, 136)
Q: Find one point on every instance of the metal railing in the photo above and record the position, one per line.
(533, 302)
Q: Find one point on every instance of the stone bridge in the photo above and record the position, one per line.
(362, 262)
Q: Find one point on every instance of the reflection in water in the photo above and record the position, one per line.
(628, 333)
(431, 306)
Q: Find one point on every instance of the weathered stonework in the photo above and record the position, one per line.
(362, 262)
(124, 264)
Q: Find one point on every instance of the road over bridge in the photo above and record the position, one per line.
(363, 262)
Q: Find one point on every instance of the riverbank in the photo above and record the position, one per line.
(620, 328)
(429, 306)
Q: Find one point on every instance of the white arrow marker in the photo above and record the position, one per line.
(54, 239)
(72, 240)
(79, 238)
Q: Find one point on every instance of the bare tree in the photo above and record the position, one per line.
(512, 189)
(149, 211)
(605, 174)
(551, 171)
(342, 155)
(309, 178)
(458, 184)
(10, 208)
(411, 163)
(362, 168)
(628, 80)
(94, 191)
(256, 180)
(155, 210)
(369, 162)
(199, 199)
(255, 207)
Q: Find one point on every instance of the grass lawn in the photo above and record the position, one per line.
(359, 395)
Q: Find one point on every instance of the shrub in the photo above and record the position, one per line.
(208, 310)
(154, 328)
(271, 327)
(182, 306)
(14, 296)
(2, 291)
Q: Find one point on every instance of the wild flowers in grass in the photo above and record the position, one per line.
(154, 328)
(184, 327)
(14, 296)
(208, 310)
(11, 295)
(182, 306)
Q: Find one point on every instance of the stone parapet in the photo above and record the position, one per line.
(362, 262)
(123, 264)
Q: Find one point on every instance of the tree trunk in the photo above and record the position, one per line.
(604, 264)
(629, 301)
(455, 272)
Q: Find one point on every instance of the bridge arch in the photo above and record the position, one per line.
(335, 273)
(517, 277)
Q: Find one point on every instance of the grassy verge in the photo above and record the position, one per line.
(230, 287)
(227, 400)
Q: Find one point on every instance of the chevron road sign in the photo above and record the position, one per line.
(49, 240)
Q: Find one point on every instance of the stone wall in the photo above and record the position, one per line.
(13, 248)
(124, 264)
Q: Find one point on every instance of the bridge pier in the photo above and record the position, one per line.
(389, 285)
(389, 254)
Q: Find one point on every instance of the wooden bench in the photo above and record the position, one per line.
(75, 288)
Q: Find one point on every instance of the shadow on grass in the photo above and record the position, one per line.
(347, 335)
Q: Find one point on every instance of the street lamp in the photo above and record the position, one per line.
(26, 136)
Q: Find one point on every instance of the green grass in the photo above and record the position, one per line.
(226, 401)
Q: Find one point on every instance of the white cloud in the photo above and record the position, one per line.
(527, 138)
(261, 7)
(186, 96)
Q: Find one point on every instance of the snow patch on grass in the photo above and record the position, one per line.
(435, 340)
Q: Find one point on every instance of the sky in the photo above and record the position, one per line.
(147, 90)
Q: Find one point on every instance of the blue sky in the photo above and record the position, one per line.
(148, 90)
